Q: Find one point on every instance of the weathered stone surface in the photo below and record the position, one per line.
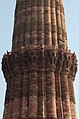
(39, 71)
(39, 85)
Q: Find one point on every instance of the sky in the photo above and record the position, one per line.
(7, 8)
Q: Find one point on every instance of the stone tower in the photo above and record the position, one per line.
(40, 70)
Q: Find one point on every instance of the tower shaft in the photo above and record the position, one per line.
(40, 70)
(39, 23)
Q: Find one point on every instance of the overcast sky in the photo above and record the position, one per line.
(6, 29)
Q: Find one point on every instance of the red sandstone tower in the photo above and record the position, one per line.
(40, 70)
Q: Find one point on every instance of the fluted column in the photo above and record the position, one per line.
(64, 34)
(65, 96)
(65, 88)
(59, 106)
(54, 24)
(72, 98)
(59, 27)
(40, 21)
(47, 18)
(50, 85)
(71, 78)
(28, 23)
(22, 25)
(17, 89)
(33, 87)
(50, 94)
(41, 87)
(34, 23)
(25, 92)
(11, 96)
